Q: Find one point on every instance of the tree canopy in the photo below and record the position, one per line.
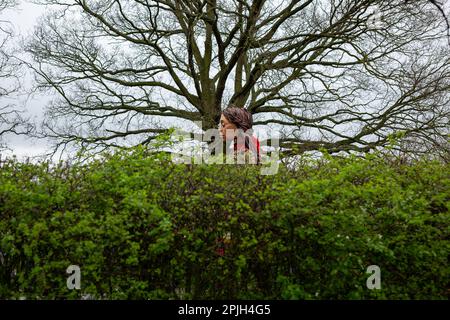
(336, 74)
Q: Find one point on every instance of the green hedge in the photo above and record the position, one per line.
(142, 227)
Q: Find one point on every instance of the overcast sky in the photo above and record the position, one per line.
(23, 18)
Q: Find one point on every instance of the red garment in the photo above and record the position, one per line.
(245, 144)
(220, 251)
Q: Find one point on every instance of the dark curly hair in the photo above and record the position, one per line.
(240, 117)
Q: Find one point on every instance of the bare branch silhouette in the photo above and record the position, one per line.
(336, 74)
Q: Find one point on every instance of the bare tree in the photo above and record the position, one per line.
(336, 74)
(11, 119)
(7, 115)
(440, 6)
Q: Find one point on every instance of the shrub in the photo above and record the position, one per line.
(142, 227)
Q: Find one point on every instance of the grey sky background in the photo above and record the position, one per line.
(23, 18)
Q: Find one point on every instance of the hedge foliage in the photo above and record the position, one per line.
(142, 227)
